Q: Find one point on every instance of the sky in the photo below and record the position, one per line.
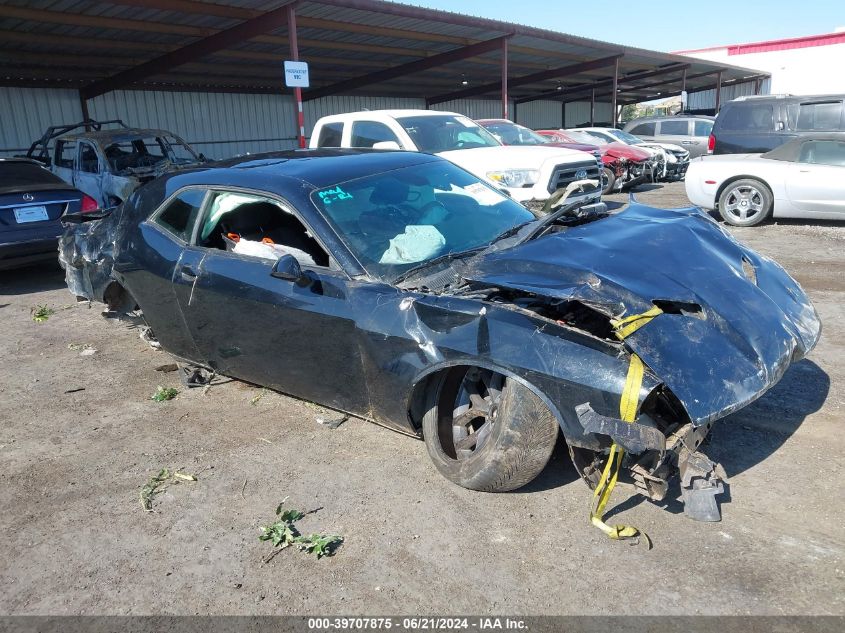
(664, 26)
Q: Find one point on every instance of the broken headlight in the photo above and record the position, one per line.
(515, 177)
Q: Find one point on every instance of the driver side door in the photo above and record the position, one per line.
(298, 337)
(88, 174)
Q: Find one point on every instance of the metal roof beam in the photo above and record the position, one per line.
(223, 39)
(407, 69)
(543, 75)
(607, 82)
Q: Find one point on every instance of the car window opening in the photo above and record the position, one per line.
(258, 227)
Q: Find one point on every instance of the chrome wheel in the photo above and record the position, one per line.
(744, 203)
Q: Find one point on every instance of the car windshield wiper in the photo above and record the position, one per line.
(511, 231)
(542, 223)
(447, 257)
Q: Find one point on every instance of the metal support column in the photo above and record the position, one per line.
(294, 55)
(718, 91)
(563, 115)
(83, 104)
(504, 79)
(593, 106)
(614, 116)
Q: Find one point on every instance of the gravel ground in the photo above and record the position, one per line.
(77, 541)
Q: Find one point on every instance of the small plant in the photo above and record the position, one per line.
(41, 313)
(149, 490)
(157, 484)
(283, 533)
(164, 393)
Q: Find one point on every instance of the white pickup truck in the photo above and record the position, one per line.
(527, 172)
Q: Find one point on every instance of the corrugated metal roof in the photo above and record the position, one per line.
(332, 36)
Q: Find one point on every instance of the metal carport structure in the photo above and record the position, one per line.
(353, 47)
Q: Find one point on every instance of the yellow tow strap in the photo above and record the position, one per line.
(627, 412)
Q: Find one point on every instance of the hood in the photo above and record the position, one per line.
(729, 329)
(669, 147)
(631, 152)
(511, 156)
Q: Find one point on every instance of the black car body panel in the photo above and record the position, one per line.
(32, 202)
(539, 311)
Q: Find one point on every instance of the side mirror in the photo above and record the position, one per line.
(386, 145)
(780, 126)
(287, 268)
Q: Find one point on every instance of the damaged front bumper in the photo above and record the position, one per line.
(653, 459)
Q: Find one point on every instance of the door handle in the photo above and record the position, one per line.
(688, 142)
(188, 274)
(804, 171)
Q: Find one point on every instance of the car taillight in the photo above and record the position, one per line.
(89, 205)
(711, 144)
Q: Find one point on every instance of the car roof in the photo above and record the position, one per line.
(317, 167)
(392, 114)
(116, 135)
(671, 117)
(20, 159)
(783, 97)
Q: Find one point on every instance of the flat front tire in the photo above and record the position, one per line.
(485, 431)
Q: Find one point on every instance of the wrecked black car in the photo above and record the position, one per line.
(398, 287)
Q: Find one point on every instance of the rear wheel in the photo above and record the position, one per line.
(745, 202)
(608, 179)
(485, 431)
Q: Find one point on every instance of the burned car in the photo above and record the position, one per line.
(397, 287)
(109, 164)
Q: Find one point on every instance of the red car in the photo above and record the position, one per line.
(624, 165)
(510, 133)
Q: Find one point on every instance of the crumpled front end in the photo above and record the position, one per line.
(724, 325)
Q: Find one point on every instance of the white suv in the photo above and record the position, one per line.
(526, 172)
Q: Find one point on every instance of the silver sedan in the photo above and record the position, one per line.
(804, 178)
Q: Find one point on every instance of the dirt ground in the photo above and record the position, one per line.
(75, 539)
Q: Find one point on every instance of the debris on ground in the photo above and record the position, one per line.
(88, 351)
(146, 334)
(332, 422)
(193, 377)
(158, 484)
(164, 393)
(74, 389)
(254, 400)
(78, 347)
(283, 533)
(41, 313)
(168, 367)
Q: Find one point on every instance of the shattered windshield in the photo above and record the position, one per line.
(148, 152)
(400, 219)
(436, 133)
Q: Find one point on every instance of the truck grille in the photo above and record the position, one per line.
(565, 174)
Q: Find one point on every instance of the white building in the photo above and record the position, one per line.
(801, 66)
